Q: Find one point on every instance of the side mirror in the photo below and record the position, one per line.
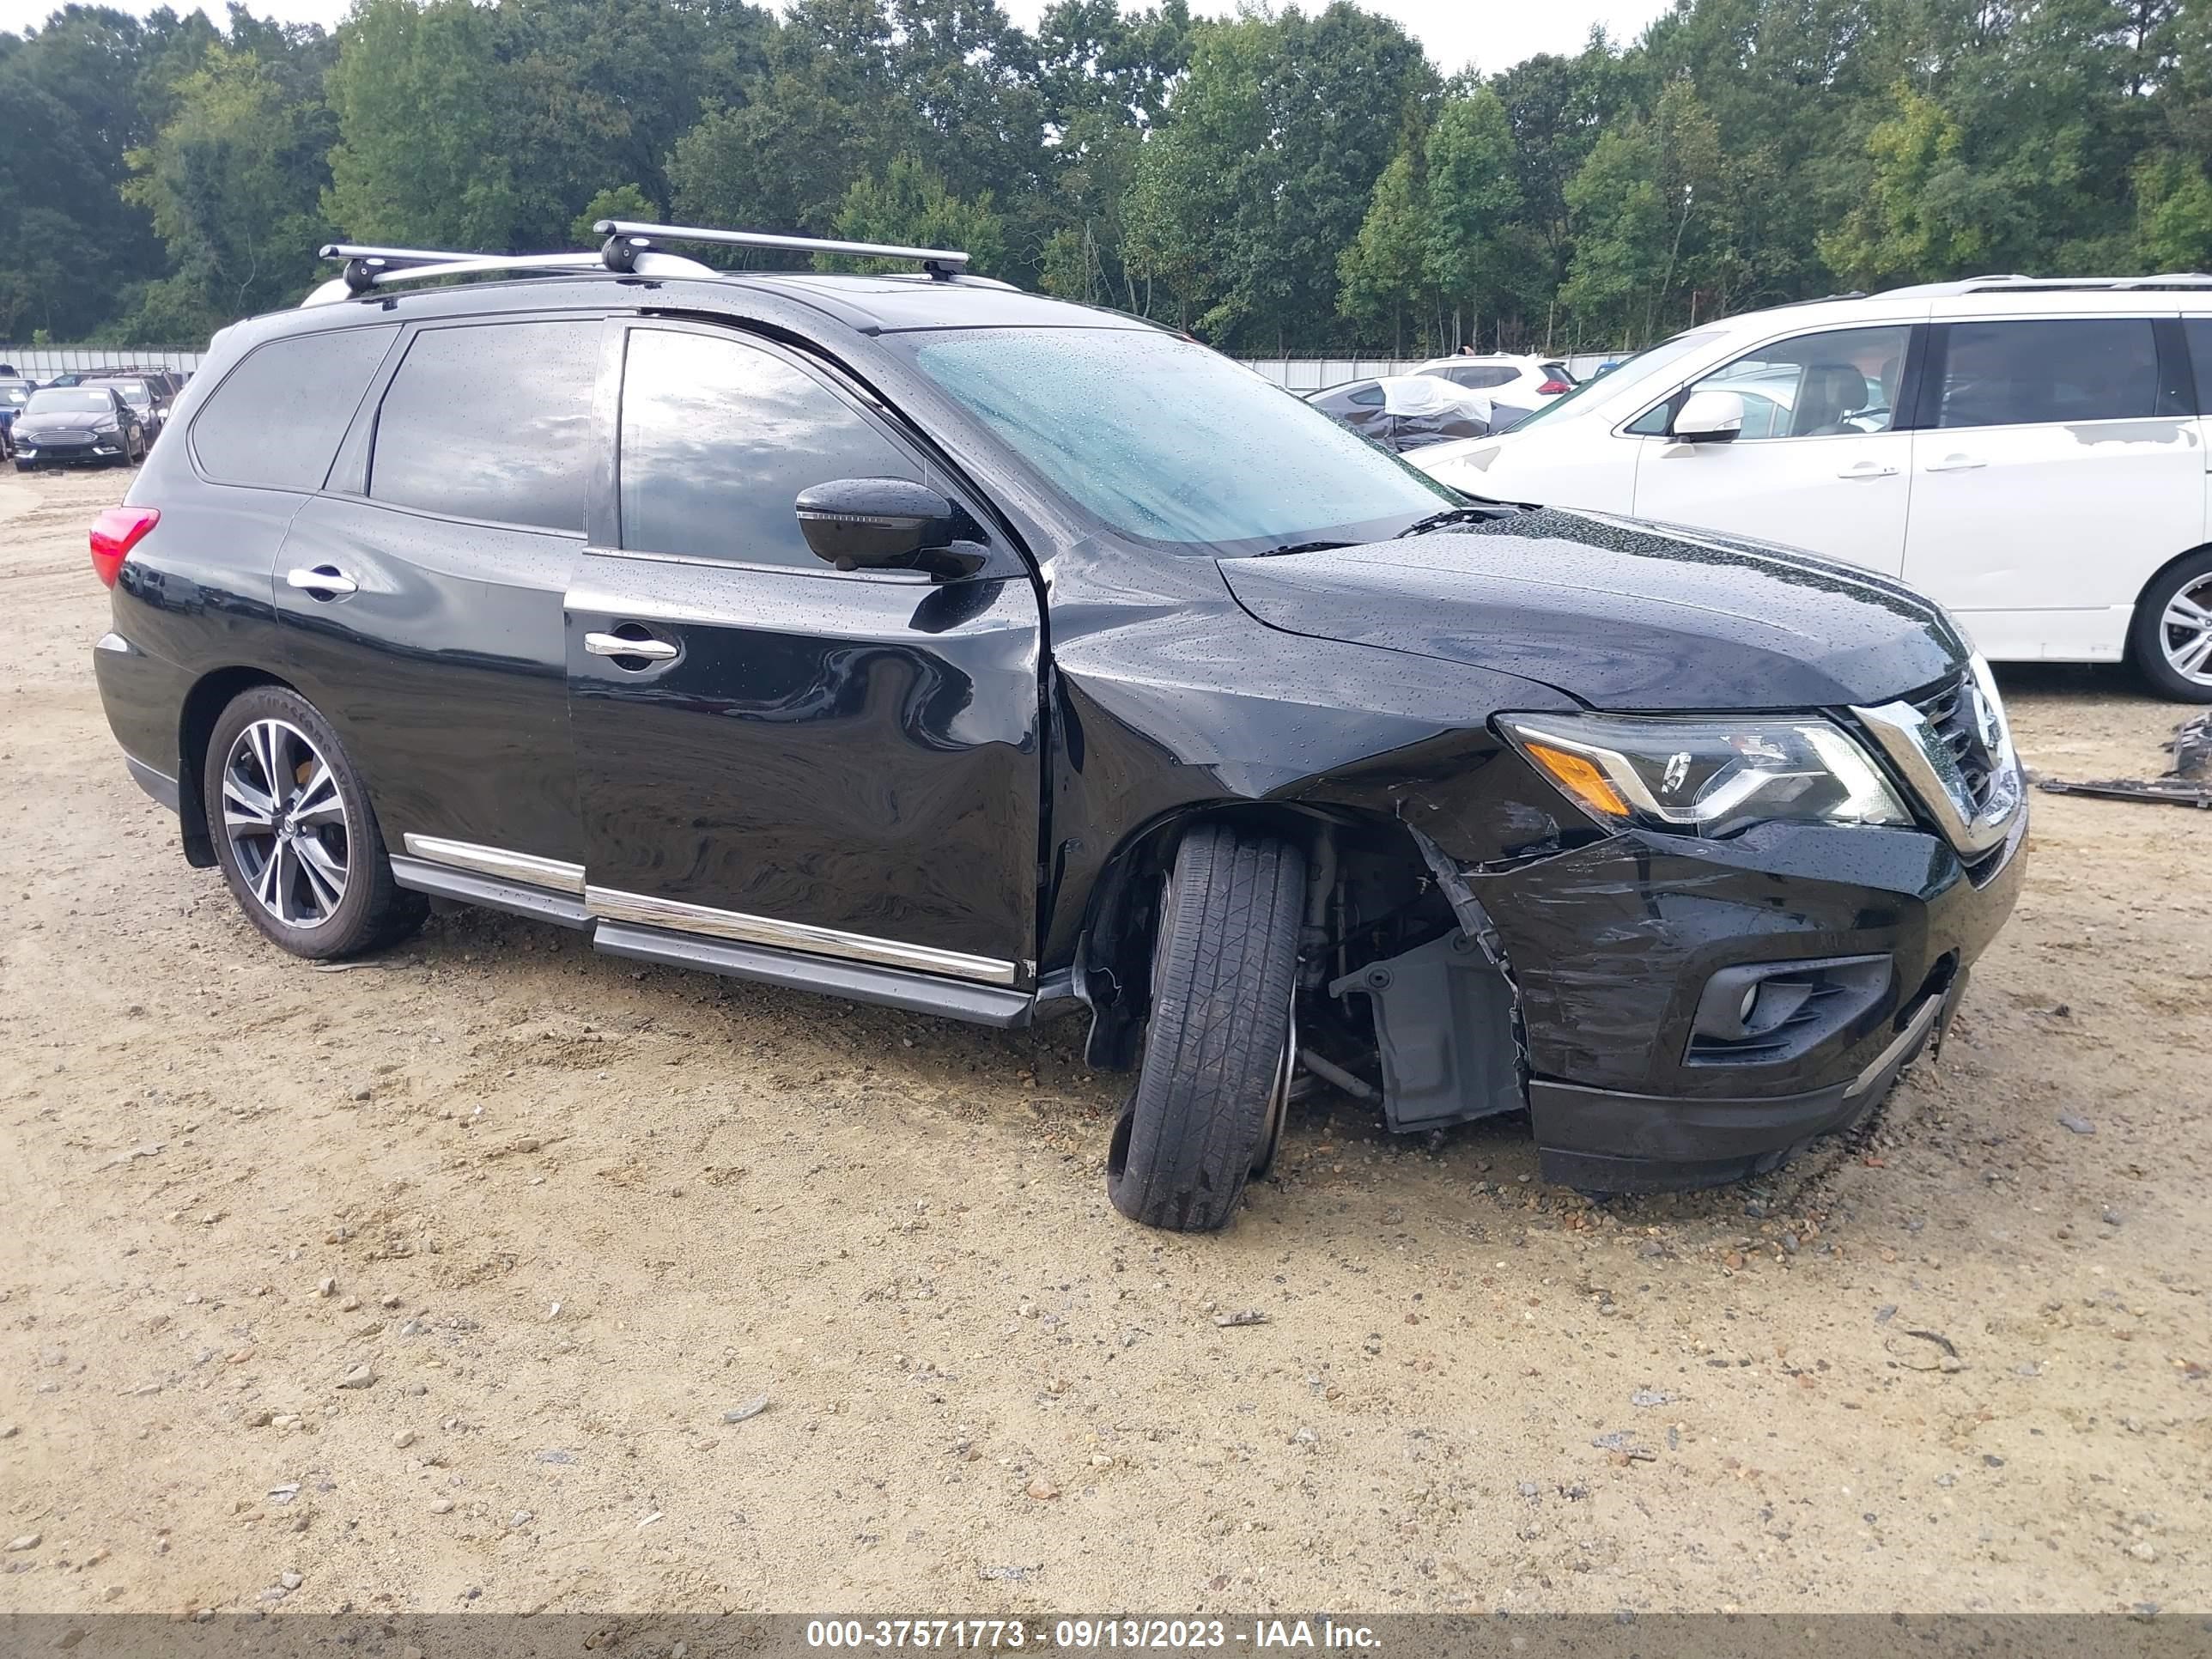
(1709, 417)
(874, 524)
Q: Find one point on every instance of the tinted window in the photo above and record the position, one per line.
(1161, 438)
(277, 418)
(1814, 385)
(2098, 368)
(86, 400)
(491, 423)
(718, 438)
(1477, 379)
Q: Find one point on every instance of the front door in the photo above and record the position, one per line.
(842, 764)
(1817, 465)
(2058, 465)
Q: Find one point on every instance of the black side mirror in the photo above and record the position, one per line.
(874, 524)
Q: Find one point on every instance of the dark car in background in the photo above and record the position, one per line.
(1412, 411)
(898, 637)
(149, 396)
(89, 425)
(14, 394)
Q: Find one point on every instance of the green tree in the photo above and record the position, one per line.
(1920, 216)
(622, 202)
(910, 207)
(233, 182)
(1383, 273)
(422, 155)
(1473, 201)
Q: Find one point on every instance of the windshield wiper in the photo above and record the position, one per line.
(1453, 515)
(1305, 547)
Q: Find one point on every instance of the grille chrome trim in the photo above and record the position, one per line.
(526, 868)
(1934, 750)
(646, 910)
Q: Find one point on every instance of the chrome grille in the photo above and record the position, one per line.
(1945, 709)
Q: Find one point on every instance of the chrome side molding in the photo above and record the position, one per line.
(647, 911)
(526, 868)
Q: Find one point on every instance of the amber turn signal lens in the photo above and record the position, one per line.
(1580, 777)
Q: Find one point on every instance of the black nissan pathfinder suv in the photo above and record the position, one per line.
(924, 642)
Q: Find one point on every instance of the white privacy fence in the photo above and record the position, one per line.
(44, 362)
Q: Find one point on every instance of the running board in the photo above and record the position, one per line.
(467, 887)
(857, 982)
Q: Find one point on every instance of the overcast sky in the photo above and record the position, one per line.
(1491, 34)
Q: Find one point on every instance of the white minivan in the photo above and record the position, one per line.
(2029, 452)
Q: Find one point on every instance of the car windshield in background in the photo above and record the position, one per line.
(1164, 439)
(134, 393)
(15, 393)
(1642, 366)
(72, 400)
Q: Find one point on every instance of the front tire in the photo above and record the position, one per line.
(1203, 1114)
(2171, 639)
(294, 831)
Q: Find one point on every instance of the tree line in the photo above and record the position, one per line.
(1287, 180)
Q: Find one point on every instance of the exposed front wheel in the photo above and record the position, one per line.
(2171, 638)
(1207, 1108)
(293, 833)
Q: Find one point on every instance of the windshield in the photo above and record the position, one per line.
(15, 393)
(1161, 438)
(1600, 388)
(134, 393)
(74, 400)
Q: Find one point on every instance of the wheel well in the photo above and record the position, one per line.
(1114, 955)
(2161, 573)
(204, 707)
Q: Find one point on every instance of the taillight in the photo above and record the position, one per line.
(114, 533)
(1553, 388)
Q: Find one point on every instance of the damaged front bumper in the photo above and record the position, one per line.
(1691, 1011)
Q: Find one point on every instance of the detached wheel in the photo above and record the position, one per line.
(1207, 1108)
(293, 833)
(2171, 639)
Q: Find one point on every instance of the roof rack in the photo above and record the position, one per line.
(627, 240)
(1997, 284)
(367, 269)
(631, 249)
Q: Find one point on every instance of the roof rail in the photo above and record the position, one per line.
(370, 268)
(627, 240)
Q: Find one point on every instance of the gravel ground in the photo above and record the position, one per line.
(457, 1279)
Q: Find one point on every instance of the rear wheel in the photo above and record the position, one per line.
(1208, 1107)
(2171, 638)
(293, 833)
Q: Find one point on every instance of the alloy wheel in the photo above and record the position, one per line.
(285, 819)
(2185, 631)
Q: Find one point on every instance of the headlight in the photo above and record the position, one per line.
(1707, 777)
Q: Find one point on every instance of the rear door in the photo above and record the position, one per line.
(841, 763)
(1818, 464)
(421, 591)
(2058, 465)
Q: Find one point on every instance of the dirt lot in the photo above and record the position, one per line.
(570, 1216)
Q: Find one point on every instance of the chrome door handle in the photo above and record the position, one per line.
(1868, 469)
(323, 578)
(1955, 463)
(614, 644)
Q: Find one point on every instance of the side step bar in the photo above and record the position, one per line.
(858, 981)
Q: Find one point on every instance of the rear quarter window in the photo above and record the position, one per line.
(277, 419)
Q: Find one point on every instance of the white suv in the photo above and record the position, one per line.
(1520, 382)
(2029, 453)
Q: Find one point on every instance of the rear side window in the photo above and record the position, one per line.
(277, 419)
(491, 422)
(2011, 374)
(1479, 380)
(718, 438)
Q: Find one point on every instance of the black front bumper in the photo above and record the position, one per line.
(1612, 946)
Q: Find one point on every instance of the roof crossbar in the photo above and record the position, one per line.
(626, 239)
(367, 269)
